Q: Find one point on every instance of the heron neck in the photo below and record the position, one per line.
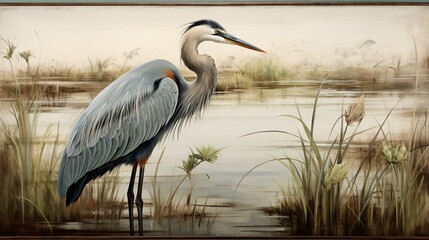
(200, 90)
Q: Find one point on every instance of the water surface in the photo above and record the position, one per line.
(224, 124)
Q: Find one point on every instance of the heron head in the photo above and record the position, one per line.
(209, 30)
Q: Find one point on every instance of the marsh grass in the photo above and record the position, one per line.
(29, 184)
(315, 200)
(267, 69)
(96, 70)
(59, 70)
(168, 199)
(101, 198)
(202, 154)
(259, 72)
(232, 80)
(392, 199)
(265, 72)
(98, 67)
(99, 201)
(271, 73)
(383, 196)
(29, 165)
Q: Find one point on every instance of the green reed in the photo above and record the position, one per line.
(24, 152)
(30, 161)
(168, 200)
(383, 196)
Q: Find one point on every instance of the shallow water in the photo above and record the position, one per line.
(229, 117)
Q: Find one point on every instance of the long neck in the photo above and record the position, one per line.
(198, 93)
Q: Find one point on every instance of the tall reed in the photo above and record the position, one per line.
(24, 155)
(383, 196)
(29, 165)
(167, 200)
(98, 67)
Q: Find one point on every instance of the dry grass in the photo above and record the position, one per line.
(29, 163)
(383, 196)
(169, 201)
(260, 72)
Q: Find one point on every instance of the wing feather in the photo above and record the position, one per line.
(115, 144)
(116, 122)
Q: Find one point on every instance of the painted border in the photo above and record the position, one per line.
(210, 2)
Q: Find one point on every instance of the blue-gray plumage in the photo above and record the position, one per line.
(135, 108)
(123, 124)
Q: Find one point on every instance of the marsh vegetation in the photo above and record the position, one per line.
(383, 195)
(337, 173)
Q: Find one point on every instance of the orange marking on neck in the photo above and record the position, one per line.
(143, 161)
(170, 74)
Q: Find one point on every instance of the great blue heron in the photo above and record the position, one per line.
(123, 124)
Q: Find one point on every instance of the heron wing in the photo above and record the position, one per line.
(127, 113)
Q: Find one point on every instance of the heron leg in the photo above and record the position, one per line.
(130, 195)
(139, 200)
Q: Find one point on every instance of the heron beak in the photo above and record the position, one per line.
(236, 41)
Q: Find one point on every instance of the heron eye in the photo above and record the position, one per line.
(217, 31)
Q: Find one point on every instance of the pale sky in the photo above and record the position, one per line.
(293, 33)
